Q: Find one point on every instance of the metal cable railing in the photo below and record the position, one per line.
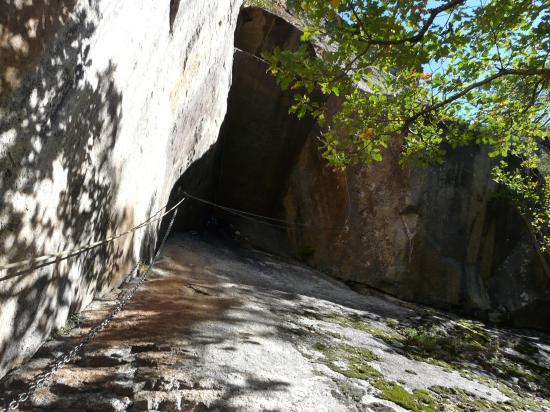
(29, 265)
(265, 220)
(41, 379)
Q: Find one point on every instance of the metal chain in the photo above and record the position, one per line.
(41, 380)
(46, 260)
(266, 220)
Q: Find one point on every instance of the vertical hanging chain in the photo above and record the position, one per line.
(41, 380)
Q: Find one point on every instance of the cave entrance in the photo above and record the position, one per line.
(258, 147)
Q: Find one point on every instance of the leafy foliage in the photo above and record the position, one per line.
(430, 75)
(266, 4)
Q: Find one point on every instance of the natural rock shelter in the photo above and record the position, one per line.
(151, 175)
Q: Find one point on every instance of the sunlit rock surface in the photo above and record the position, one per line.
(220, 328)
(103, 105)
(103, 108)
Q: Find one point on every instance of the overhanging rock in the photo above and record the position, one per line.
(441, 235)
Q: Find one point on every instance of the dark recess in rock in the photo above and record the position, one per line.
(443, 236)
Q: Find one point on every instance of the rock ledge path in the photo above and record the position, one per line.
(215, 328)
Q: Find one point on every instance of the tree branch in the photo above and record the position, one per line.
(501, 73)
(423, 30)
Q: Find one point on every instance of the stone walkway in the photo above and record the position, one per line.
(218, 329)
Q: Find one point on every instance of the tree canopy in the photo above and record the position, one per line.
(430, 75)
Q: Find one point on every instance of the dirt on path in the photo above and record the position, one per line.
(220, 329)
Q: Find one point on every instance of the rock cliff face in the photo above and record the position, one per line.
(103, 105)
(440, 236)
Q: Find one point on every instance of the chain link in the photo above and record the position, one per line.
(41, 380)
